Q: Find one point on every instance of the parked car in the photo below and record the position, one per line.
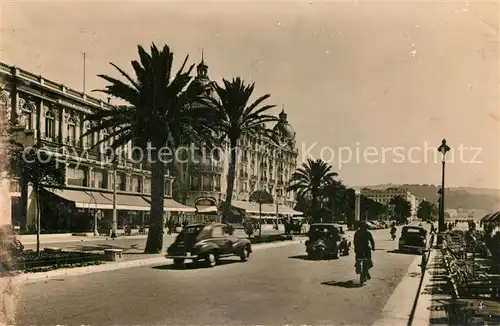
(207, 243)
(371, 225)
(327, 240)
(413, 239)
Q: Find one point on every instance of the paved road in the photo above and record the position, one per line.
(277, 286)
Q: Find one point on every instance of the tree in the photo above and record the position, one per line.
(402, 209)
(38, 169)
(234, 117)
(261, 197)
(427, 210)
(334, 193)
(310, 180)
(160, 114)
(370, 209)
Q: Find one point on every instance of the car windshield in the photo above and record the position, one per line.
(321, 228)
(413, 231)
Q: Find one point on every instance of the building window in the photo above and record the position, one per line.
(76, 177)
(71, 137)
(147, 186)
(50, 125)
(27, 120)
(120, 182)
(137, 184)
(98, 180)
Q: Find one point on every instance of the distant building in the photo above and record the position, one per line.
(384, 196)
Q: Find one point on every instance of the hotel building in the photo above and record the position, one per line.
(260, 166)
(54, 114)
(384, 196)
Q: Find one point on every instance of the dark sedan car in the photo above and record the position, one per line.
(208, 243)
(413, 238)
(327, 240)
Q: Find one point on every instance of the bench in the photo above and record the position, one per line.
(113, 254)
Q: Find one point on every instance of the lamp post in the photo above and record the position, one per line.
(114, 225)
(443, 149)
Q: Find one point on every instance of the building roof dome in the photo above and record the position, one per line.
(283, 127)
(201, 78)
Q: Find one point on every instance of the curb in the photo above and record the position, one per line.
(33, 277)
(422, 314)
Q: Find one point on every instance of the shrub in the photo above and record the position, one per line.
(32, 262)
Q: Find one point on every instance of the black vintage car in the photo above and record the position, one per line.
(207, 243)
(413, 239)
(327, 240)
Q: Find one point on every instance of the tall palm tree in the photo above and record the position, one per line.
(235, 117)
(159, 114)
(310, 180)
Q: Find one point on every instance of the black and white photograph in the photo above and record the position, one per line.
(250, 162)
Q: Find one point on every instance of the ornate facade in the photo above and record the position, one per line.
(260, 166)
(55, 114)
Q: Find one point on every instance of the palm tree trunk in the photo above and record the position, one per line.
(154, 242)
(260, 219)
(230, 181)
(314, 208)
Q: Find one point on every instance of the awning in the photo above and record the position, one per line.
(207, 209)
(285, 210)
(265, 209)
(492, 217)
(171, 205)
(101, 200)
(240, 204)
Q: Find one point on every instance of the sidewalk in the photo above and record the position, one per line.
(435, 294)
(30, 239)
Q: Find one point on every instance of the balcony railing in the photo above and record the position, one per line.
(209, 168)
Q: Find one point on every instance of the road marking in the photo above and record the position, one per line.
(398, 308)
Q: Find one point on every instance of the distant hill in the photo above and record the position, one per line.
(456, 197)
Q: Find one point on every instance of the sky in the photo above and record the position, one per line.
(370, 87)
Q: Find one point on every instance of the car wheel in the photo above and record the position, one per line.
(211, 259)
(178, 262)
(245, 253)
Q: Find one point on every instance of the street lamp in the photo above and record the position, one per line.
(114, 226)
(443, 149)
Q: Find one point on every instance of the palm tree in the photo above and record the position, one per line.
(159, 113)
(311, 180)
(235, 117)
(261, 197)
